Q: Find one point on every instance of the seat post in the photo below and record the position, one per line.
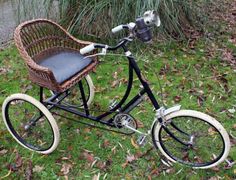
(83, 98)
(41, 94)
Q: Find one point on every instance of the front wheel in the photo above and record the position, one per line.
(30, 123)
(192, 138)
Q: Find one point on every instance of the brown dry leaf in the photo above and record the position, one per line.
(200, 100)
(215, 168)
(87, 130)
(99, 89)
(177, 99)
(170, 171)
(185, 156)
(115, 75)
(66, 168)
(106, 143)
(88, 156)
(211, 131)
(66, 158)
(139, 123)
(3, 70)
(227, 55)
(124, 165)
(101, 165)
(234, 126)
(38, 169)
(213, 178)
(18, 162)
(96, 177)
(115, 83)
(113, 150)
(155, 171)
(124, 80)
(232, 140)
(130, 158)
(133, 143)
(192, 44)
(29, 170)
(4, 151)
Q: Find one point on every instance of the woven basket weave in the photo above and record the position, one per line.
(40, 38)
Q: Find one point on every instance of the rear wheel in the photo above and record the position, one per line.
(192, 138)
(30, 123)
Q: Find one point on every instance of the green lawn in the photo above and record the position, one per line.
(195, 78)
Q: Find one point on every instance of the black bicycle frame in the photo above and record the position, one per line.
(55, 100)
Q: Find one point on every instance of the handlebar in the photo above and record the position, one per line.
(140, 29)
(87, 49)
(117, 29)
(93, 46)
(129, 26)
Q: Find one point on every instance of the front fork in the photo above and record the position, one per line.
(161, 113)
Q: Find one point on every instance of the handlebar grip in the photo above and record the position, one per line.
(117, 29)
(87, 49)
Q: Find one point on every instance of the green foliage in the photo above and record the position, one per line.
(97, 17)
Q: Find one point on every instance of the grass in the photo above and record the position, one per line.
(188, 77)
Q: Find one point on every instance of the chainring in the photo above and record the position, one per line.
(122, 119)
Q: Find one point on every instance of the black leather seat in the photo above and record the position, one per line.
(64, 65)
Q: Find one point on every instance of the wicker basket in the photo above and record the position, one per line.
(37, 39)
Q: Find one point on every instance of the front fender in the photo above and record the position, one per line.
(166, 112)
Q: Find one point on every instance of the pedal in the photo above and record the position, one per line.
(142, 140)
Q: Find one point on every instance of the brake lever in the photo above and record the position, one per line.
(102, 53)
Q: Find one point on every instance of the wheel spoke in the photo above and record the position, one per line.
(203, 139)
(20, 114)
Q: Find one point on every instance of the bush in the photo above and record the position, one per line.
(97, 17)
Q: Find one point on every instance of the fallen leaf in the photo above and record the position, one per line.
(96, 177)
(200, 100)
(38, 169)
(113, 150)
(4, 151)
(177, 99)
(66, 157)
(87, 130)
(213, 178)
(88, 156)
(115, 83)
(106, 143)
(29, 170)
(115, 75)
(155, 171)
(3, 71)
(101, 165)
(18, 163)
(170, 171)
(215, 168)
(130, 158)
(139, 124)
(211, 131)
(133, 143)
(66, 168)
